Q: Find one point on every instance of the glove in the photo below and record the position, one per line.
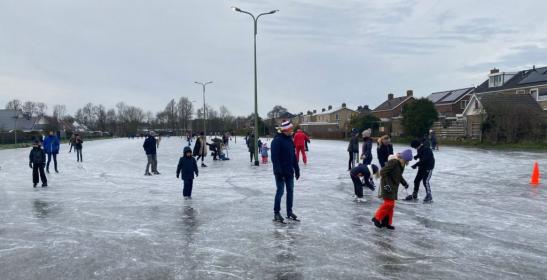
(414, 166)
(405, 185)
(30, 165)
(297, 175)
(416, 157)
(387, 188)
(177, 176)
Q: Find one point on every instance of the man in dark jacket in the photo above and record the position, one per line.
(37, 162)
(353, 148)
(425, 170)
(366, 155)
(285, 168)
(150, 149)
(384, 150)
(365, 171)
(51, 147)
(186, 168)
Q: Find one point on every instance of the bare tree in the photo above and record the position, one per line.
(14, 104)
(184, 112)
(59, 112)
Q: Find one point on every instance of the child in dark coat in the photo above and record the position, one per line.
(365, 171)
(37, 162)
(186, 168)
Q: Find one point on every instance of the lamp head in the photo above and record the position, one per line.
(236, 9)
(273, 12)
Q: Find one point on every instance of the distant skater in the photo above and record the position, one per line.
(200, 149)
(366, 172)
(186, 168)
(353, 149)
(150, 147)
(51, 147)
(425, 166)
(384, 150)
(392, 176)
(264, 153)
(251, 146)
(285, 168)
(300, 139)
(78, 146)
(37, 162)
(71, 142)
(433, 139)
(366, 154)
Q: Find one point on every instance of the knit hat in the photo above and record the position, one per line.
(187, 150)
(367, 133)
(415, 144)
(406, 155)
(36, 142)
(372, 168)
(286, 125)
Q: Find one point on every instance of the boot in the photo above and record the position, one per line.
(278, 218)
(203, 165)
(385, 223)
(293, 217)
(376, 222)
(411, 197)
(428, 199)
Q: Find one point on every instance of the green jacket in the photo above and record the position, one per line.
(392, 175)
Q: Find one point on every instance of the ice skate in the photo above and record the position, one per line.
(385, 223)
(293, 217)
(428, 199)
(359, 200)
(147, 174)
(278, 218)
(44, 185)
(203, 165)
(377, 223)
(156, 173)
(411, 198)
(34, 186)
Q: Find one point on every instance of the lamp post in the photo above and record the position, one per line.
(255, 21)
(204, 111)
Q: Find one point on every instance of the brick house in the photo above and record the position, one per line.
(330, 122)
(390, 113)
(451, 103)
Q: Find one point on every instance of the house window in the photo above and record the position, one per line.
(521, 91)
(463, 104)
(337, 117)
(534, 93)
(542, 94)
(495, 81)
(476, 105)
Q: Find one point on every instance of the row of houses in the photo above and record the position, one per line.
(461, 111)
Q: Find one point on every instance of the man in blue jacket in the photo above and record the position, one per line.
(150, 149)
(51, 147)
(285, 168)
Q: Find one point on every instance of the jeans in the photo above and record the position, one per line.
(187, 189)
(49, 156)
(38, 168)
(353, 159)
(79, 156)
(152, 161)
(281, 182)
(424, 176)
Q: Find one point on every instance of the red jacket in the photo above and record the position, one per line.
(300, 139)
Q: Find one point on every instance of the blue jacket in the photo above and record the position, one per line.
(187, 167)
(150, 145)
(52, 144)
(283, 156)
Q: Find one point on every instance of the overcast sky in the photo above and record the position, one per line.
(311, 54)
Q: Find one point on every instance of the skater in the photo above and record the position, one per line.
(37, 161)
(285, 168)
(384, 150)
(307, 142)
(433, 139)
(51, 147)
(425, 166)
(186, 168)
(264, 153)
(392, 176)
(366, 172)
(149, 146)
(78, 145)
(251, 146)
(300, 139)
(366, 154)
(353, 148)
(158, 142)
(72, 142)
(200, 148)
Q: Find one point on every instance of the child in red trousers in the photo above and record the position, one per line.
(392, 176)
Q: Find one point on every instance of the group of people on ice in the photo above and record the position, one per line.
(391, 170)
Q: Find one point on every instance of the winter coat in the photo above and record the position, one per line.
(78, 143)
(264, 151)
(52, 144)
(37, 156)
(367, 147)
(353, 146)
(199, 148)
(392, 176)
(426, 157)
(251, 144)
(283, 156)
(363, 169)
(383, 152)
(300, 139)
(72, 140)
(187, 167)
(150, 145)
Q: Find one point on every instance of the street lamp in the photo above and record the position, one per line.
(255, 20)
(204, 111)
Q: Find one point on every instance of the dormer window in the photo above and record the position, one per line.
(495, 81)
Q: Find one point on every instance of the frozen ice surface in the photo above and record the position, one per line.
(103, 219)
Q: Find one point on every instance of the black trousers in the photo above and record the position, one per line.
(38, 168)
(423, 176)
(49, 156)
(251, 156)
(79, 156)
(187, 189)
(358, 186)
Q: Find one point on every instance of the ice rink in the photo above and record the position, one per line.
(103, 219)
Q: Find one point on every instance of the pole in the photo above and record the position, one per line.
(15, 130)
(256, 99)
(204, 114)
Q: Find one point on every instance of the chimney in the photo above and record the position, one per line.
(366, 107)
(343, 105)
(409, 93)
(390, 96)
(330, 107)
(359, 108)
(314, 111)
(323, 110)
(494, 71)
